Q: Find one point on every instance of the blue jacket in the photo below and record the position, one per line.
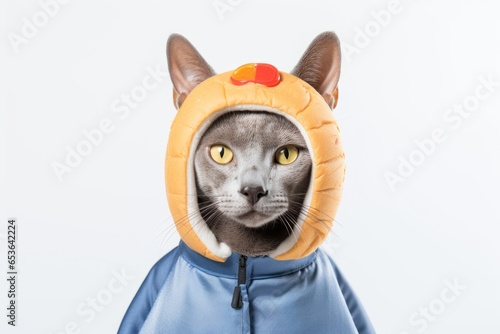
(187, 293)
(202, 286)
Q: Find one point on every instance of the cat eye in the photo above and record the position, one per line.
(221, 154)
(286, 154)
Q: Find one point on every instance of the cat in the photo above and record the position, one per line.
(254, 176)
(252, 201)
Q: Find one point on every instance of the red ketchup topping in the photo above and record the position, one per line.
(259, 73)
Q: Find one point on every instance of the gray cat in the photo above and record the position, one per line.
(254, 176)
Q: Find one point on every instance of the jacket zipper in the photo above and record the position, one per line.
(237, 301)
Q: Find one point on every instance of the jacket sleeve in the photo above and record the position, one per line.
(359, 316)
(144, 299)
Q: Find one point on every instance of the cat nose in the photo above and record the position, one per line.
(253, 194)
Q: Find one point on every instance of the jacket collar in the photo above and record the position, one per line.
(256, 267)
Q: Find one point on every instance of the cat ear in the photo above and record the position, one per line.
(320, 66)
(186, 66)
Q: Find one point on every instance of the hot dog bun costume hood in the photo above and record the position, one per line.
(290, 97)
(202, 286)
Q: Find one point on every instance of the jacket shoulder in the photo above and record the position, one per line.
(147, 294)
(358, 313)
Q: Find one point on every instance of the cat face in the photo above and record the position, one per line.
(252, 169)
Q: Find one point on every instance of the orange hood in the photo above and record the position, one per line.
(292, 98)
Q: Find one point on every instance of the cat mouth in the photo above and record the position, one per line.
(254, 218)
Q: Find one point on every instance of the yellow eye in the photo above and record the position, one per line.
(221, 154)
(286, 155)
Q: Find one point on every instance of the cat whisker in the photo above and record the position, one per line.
(307, 214)
(322, 222)
(290, 226)
(211, 215)
(170, 230)
(311, 208)
(208, 213)
(282, 219)
(327, 217)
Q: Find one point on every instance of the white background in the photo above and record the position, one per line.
(398, 247)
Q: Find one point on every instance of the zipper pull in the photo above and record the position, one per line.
(237, 301)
